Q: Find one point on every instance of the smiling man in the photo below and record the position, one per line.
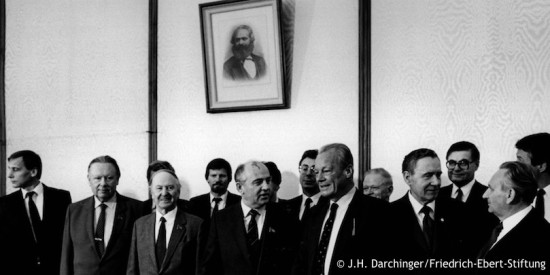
(420, 229)
(178, 235)
(351, 226)
(254, 236)
(96, 238)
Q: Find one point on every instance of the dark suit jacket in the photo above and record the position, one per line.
(361, 236)
(79, 255)
(18, 250)
(408, 237)
(474, 223)
(294, 205)
(200, 205)
(234, 69)
(529, 240)
(182, 255)
(227, 251)
(148, 206)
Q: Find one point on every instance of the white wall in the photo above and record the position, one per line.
(444, 71)
(324, 96)
(81, 67)
(76, 88)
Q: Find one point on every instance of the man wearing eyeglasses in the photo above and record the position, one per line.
(476, 223)
(302, 205)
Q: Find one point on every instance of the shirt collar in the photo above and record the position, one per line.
(314, 199)
(417, 206)
(511, 222)
(466, 189)
(169, 217)
(110, 203)
(345, 200)
(223, 197)
(38, 189)
(246, 209)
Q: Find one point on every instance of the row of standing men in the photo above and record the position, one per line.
(256, 233)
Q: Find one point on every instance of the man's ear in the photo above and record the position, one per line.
(407, 177)
(239, 187)
(511, 196)
(390, 189)
(348, 171)
(34, 172)
(542, 167)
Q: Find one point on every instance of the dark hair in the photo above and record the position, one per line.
(523, 179)
(274, 172)
(218, 164)
(157, 165)
(106, 159)
(538, 146)
(243, 27)
(312, 154)
(464, 146)
(409, 163)
(31, 160)
(343, 154)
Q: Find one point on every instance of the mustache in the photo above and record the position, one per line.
(242, 51)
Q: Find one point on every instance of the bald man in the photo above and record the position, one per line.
(178, 235)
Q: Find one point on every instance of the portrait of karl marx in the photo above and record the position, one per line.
(244, 64)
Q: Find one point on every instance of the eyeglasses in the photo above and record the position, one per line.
(463, 164)
(304, 169)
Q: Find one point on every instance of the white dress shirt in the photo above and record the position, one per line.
(259, 218)
(314, 201)
(511, 222)
(466, 189)
(417, 206)
(343, 204)
(38, 199)
(170, 218)
(221, 204)
(109, 217)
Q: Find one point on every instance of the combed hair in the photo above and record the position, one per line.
(312, 154)
(343, 154)
(410, 160)
(106, 159)
(538, 146)
(157, 165)
(31, 160)
(240, 170)
(465, 146)
(218, 164)
(382, 172)
(522, 178)
(274, 172)
(243, 27)
(167, 171)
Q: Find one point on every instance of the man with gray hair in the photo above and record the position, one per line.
(378, 183)
(253, 236)
(178, 235)
(522, 233)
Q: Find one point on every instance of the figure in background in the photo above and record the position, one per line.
(378, 183)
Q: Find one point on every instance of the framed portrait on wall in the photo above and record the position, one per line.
(243, 56)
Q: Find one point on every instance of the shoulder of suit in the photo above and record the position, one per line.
(199, 197)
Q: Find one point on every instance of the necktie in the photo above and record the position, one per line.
(100, 231)
(160, 246)
(34, 216)
(307, 208)
(252, 231)
(216, 205)
(459, 195)
(492, 240)
(539, 203)
(321, 254)
(427, 224)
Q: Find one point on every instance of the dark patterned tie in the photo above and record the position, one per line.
(216, 205)
(100, 231)
(539, 202)
(307, 209)
(427, 225)
(321, 254)
(492, 240)
(252, 231)
(34, 216)
(160, 246)
(459, 195)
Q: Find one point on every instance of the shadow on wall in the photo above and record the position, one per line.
(290, 186)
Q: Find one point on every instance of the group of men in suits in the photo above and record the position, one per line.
(332, 228)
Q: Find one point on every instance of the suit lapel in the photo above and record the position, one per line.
(89, 220)
(149, 236)
(417, 230)
(239, 232)
(178, 232)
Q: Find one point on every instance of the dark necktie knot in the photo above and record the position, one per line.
(426, 210)
(333, 207)
(30, 194)
(308, 202)
(103, 206)
(162, 220)
(539, 202)
(253, 213)
(459, 195)
(217, 200)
